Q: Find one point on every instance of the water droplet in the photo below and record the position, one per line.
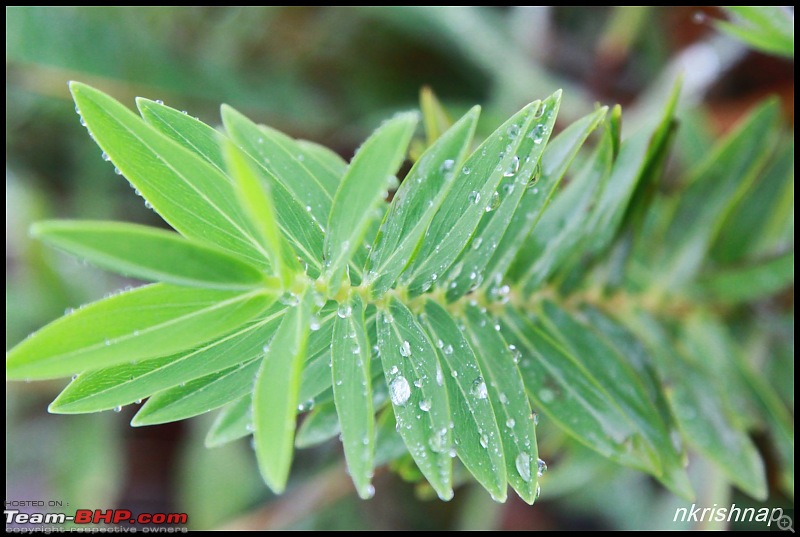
(538, 492)
(425, 405)
(159, 101)
(405, 349)
(510, 422)
(265, 348)
(399, 391)
(117, 171)
(344, 310)
(479, 388)
(75, 376)
(313, 323)
(484, 441)
(477, 243)
(138, 401)
(105, 156)
(537, 172)
(513, 167)
(494, 202)
(465, 170)
(394, 370)
(392, 182)
(305, 407)
(448, 349)
(83, 121)
(474, 196)
(523, 463)
(117, 409)
(535, 418)
(542, 467)
(540, 111)
(447, 165)
(512, 131)
(515, 353)
(68, 311)
(369, 492)
(107, 342)
(439, 374)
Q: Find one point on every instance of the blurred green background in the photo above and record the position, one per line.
(329, 75)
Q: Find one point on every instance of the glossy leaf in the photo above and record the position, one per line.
(233, 422)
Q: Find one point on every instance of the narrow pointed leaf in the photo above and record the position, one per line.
(323, 162)
(479, 442)
(149, 253)
(275, 396)
(766, 28)
(274, 152)
(557, 156)
(233, 422)
(562, 389)
(361, 188)
(505, 389)
(713, 192)
(193, 196)
(420, 404)
(750, 282)
(469, 271)
(148, 322)
(465, 202)
(350, 371)
(562, 227)
(415, 203)
(189, 132)
(123, 384)
(434, 116)
(254, 196)
(698, 405)
(198, 396)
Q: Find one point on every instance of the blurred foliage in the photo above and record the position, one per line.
(326, 74)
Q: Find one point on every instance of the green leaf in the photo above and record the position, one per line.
(323, 162)
(470, 268)
(254, 196)
(766, 28)
(434, 116)
(319, 425)
(420, 404)
(148, 322)
(416, 202)
(713, 191)
(557, 157)
(275, 396)
(123, 384)
(561, 388)
(562, 226)
(479, 444)
(351, 352)
(278, 156)
(751, 282)
(149, 254)
(466, 200)
(233, 422)
(198, 396)
(505, 389)
(362, 187)
(194, 197)
(698, 403)
(621, 383)
(189, 132)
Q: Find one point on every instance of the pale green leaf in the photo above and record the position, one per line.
(233, 422)
(148, 322)
(766, 28)
(123, 384)
(193, 196)
(275, 396)
(149, 253)
(362, 187)
(434, 116)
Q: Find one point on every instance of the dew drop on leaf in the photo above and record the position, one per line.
(513, 167)
(479, 388)
(117, 409)
(344, 311)
(399, 391)
(474, 196)
(523, 464)
(425, 405)
(448, 349)
(510, 423)
(542, 467)
(405, 349)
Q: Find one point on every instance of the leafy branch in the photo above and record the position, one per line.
(436, 327)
